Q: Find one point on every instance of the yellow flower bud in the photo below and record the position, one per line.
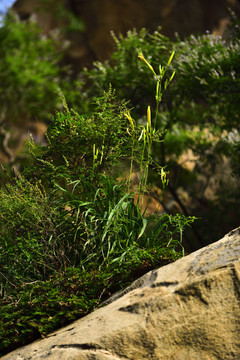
(130, 119)
(149, 116)
(140, 55)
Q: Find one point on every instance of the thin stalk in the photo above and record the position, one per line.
(131, 169)
(156, 114)
(140, 171)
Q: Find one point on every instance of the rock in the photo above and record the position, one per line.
(102, 16)
(187, 310)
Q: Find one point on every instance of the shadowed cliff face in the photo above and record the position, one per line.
(102, 16)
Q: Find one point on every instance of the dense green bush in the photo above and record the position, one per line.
(84, 145)
(34, 309)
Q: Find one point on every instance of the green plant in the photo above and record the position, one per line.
(60, 267)
(29, 239)
(78, 166)
(82, 145)
(71, 227)
(199, 111)
(125, 73)
(37, 308)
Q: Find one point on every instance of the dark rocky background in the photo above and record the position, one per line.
(91, 39)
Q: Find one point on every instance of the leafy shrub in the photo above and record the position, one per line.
(125, 73)
(35, 309)
(27, 225)
(197, 118)
(83, 145)
(70, 226)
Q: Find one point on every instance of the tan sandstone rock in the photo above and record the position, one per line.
(188, 310)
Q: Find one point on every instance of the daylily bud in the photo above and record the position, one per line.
(149, 116)
(170, 59)
(140, 55)
(130, 119)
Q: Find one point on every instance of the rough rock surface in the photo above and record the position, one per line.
(188, 310)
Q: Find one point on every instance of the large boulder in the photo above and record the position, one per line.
(187, 310)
